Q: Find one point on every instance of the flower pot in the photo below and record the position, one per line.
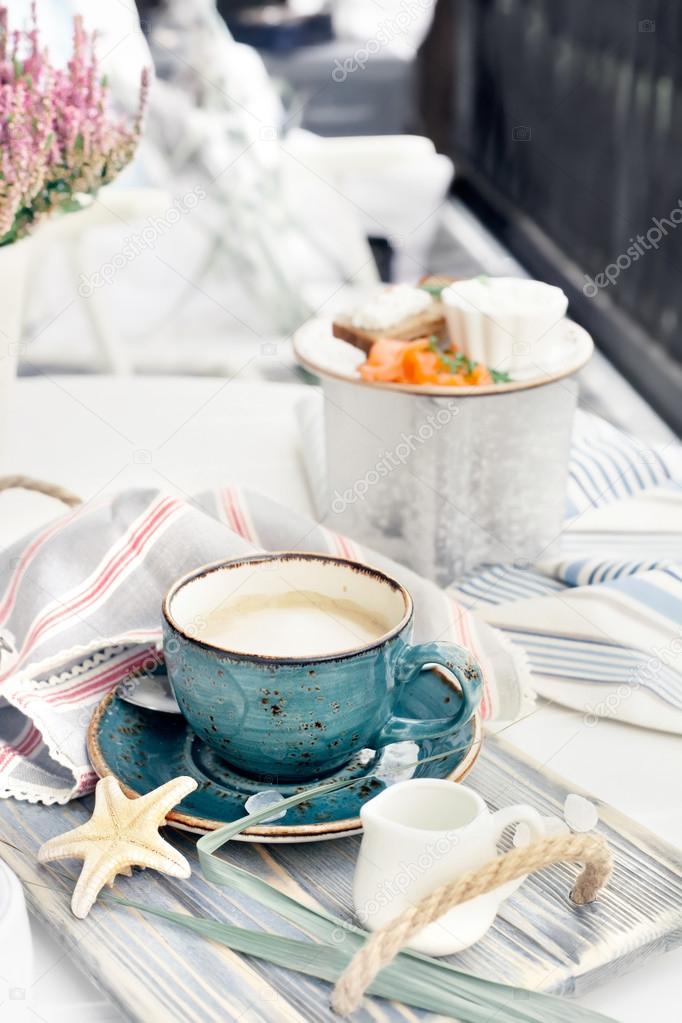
(13, 266)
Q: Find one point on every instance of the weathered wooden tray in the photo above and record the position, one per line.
(155, 971)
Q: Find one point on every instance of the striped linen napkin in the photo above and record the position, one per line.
(80, 609)
(601, 625)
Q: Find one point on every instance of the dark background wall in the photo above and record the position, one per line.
(565, 122)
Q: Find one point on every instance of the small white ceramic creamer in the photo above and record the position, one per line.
(421, 834)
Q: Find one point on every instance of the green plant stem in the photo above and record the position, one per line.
(434, 989)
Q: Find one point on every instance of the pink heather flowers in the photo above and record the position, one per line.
(57, 141)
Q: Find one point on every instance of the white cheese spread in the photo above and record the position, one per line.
(390, 306)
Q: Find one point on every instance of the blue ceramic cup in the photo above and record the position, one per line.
(288, 664)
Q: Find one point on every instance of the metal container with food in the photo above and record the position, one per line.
(445, 478)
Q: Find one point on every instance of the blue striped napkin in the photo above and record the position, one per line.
(601, 625)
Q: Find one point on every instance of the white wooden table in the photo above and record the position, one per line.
(97, 434)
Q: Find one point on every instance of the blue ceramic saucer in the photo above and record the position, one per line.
(144, 749)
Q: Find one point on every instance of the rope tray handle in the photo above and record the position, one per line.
(40, 487)
(384, 945)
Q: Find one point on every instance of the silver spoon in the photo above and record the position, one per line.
(153, 692)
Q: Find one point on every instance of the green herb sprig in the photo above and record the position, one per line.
(459, 363)
(435, 289)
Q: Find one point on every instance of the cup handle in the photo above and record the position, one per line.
(459, 665)
(517, 814)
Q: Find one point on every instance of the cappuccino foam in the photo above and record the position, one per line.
(295, 624)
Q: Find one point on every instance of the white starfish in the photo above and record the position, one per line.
(121, 833)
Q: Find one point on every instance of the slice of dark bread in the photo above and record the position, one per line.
(429, 322)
